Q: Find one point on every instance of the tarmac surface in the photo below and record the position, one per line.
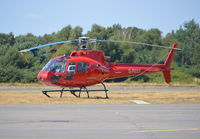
(174, 121)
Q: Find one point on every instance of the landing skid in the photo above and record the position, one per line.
(73, 91)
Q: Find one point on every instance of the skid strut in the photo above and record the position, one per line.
(83, 87)
(105, 89)
(73, 91)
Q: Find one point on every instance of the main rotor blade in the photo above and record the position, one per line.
(49, 44)
(140, 43)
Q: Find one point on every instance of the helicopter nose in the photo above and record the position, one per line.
(44, 77)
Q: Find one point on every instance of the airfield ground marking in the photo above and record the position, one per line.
(139, 102)
(168, 130)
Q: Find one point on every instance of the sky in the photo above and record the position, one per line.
(41, 17)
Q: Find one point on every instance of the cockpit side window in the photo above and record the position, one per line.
(71, 67)
(82, 67)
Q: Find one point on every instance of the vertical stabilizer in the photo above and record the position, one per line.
(170, 56)
(168, 62)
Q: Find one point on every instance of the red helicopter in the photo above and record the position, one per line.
(88, 67)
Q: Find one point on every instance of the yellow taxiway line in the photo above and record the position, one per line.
(166, 130)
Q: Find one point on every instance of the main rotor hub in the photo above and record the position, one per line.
(83, 42)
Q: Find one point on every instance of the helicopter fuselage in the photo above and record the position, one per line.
(86, 67)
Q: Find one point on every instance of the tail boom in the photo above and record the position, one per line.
(119, 70)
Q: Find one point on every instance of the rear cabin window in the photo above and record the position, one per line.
(71, 67)
(82, 67)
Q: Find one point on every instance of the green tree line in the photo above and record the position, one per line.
(16, 67)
